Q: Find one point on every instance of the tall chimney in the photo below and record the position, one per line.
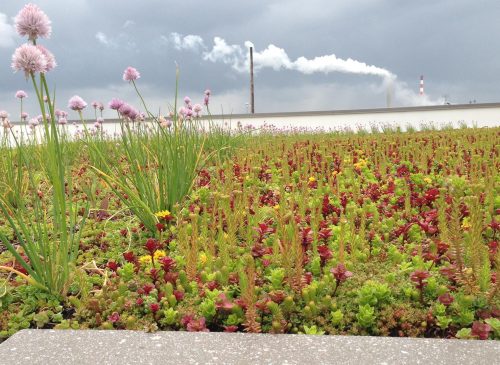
(252, 99)
(422, 85)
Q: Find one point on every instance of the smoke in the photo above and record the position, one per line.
(331, 63)
(276, 58)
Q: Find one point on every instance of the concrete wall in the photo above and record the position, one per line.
(481, 115)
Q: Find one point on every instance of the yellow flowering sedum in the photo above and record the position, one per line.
(146, 259)
(360, 164)
(163, 214)
(203, 258)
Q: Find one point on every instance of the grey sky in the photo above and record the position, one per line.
(453, 43)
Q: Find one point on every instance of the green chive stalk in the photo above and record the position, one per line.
(160, 166)
(47, 229)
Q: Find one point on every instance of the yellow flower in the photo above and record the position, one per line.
(428, 180)
(276, 207)
(145, 260)
(312, 179)
(163, 214)
(360, 164)
(159, 254)
(203, 258)
(466, 223)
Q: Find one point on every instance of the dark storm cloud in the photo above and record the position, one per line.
(451, 42)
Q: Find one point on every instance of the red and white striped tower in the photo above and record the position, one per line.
(422, 85)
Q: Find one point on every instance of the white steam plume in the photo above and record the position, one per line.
(277, 59)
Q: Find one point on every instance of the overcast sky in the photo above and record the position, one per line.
(369, 46)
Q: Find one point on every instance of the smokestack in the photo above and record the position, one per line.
(252, 100)
(422, 85)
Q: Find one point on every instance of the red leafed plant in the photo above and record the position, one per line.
(481, 330)
(341, 274)
(325, 254)
(446, 299)
(419, 278)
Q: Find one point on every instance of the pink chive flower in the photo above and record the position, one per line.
(49, 57)
(115, 104)
(95, 104)
(197, 108)
(165, 123)
(24, 115)
(100, 106)
(76, 103)
(206, 98)
(33, 22)
(30, 59)
(33, 122)
(3, 114)
(61, 113)
(21, 94)
(131, 74)
(62, 121)
(133, 114)
(6, 124)
(124, 109)
(100, 120)
(187, 100)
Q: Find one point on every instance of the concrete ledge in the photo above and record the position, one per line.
(130, 347)
(316, 113)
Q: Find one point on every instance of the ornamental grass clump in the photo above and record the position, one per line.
(160, 162)
(46, 225)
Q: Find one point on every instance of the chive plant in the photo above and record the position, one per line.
(46, 226)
